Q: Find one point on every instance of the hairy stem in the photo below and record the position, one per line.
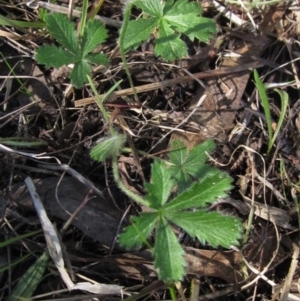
(120, 184)
(100, 101)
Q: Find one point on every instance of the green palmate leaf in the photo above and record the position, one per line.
(108, 147)
(189, 162)
(213, 185)
(211, 227)
(168, 253)
(76, 51)
(187, 23)
(202, 31)
(152, 8)
(168, 20)
(197, 155)
(133, 37)
(179, 6)
(178, 155)
(189, 165)
(79, 73)
(160, 188)
(63, 31)
(94, 34)
(169, 45)
(137, 234)
(52, 56)
(97, 59)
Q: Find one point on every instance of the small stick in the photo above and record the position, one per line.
(65, 10)
(175, 81)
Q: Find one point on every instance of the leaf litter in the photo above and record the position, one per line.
(232, 109)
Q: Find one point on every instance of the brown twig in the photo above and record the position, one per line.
(175, 81)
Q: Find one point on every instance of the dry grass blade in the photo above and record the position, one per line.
(195, 289)
(53, 242)
(55, 250)
(288, 281)
(61, 124)
(64, 10)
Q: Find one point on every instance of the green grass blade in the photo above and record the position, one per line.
(30, 280)
(95, 10)
(11, 69)
(15, 239)
(284, 98)
(14, 263)
(99, 100)
(17, 141)
(15, 23)
(266, 106)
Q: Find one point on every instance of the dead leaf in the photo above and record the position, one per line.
(271, 18)
(99, 219)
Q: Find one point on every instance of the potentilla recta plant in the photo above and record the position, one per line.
(179, 189)
(197, 185)
(167, 21)
(74, 49)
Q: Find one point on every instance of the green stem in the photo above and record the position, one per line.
(13, 142)
(127, 12)
(129, 193)
(294, 196)
(100, 101)
(172, 291)
(83, 17)
(120, 184)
